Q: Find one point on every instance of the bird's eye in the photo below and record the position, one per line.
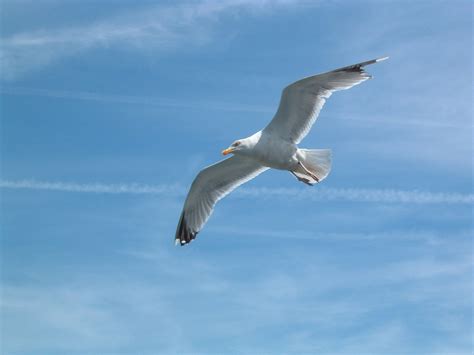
(236, 144)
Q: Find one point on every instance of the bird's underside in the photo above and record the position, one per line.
(273, 147)
(305, 176)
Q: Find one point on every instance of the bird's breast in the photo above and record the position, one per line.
(275, 153)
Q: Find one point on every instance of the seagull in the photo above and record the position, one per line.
(276, 146)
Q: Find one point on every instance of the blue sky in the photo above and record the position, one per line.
(110, 108)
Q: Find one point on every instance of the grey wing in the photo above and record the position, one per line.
(302, 101)
(210, 185)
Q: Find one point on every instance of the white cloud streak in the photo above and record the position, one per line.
(156, 28)
(362, 195)
(317, 194)
(94, 187)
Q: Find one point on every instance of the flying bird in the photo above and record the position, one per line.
(276, 146)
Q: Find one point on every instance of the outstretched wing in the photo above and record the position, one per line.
(209, 186)
(301, 101)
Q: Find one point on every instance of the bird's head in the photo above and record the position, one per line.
(238, 145)
(243, 146)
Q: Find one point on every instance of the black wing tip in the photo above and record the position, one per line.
(183, 234)
(359, 66)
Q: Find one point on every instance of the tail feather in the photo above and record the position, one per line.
(317, 161)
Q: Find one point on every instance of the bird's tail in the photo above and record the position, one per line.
(315, 161)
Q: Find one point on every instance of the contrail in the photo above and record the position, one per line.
(362, 195)
(93, 187)
(318, 194)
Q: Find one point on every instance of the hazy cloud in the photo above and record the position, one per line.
(115, 312)
(157, 28)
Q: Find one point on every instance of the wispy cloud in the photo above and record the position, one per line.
(318, 194)
(157, 28)
(327, 298)
(134, 99)
(420, 121)
(216, 106)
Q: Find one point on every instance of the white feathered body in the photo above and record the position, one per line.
(271, 151)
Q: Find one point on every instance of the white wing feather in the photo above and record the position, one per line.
(302, 101)
(210, 185)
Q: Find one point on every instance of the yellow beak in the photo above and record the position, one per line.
(227, 151)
